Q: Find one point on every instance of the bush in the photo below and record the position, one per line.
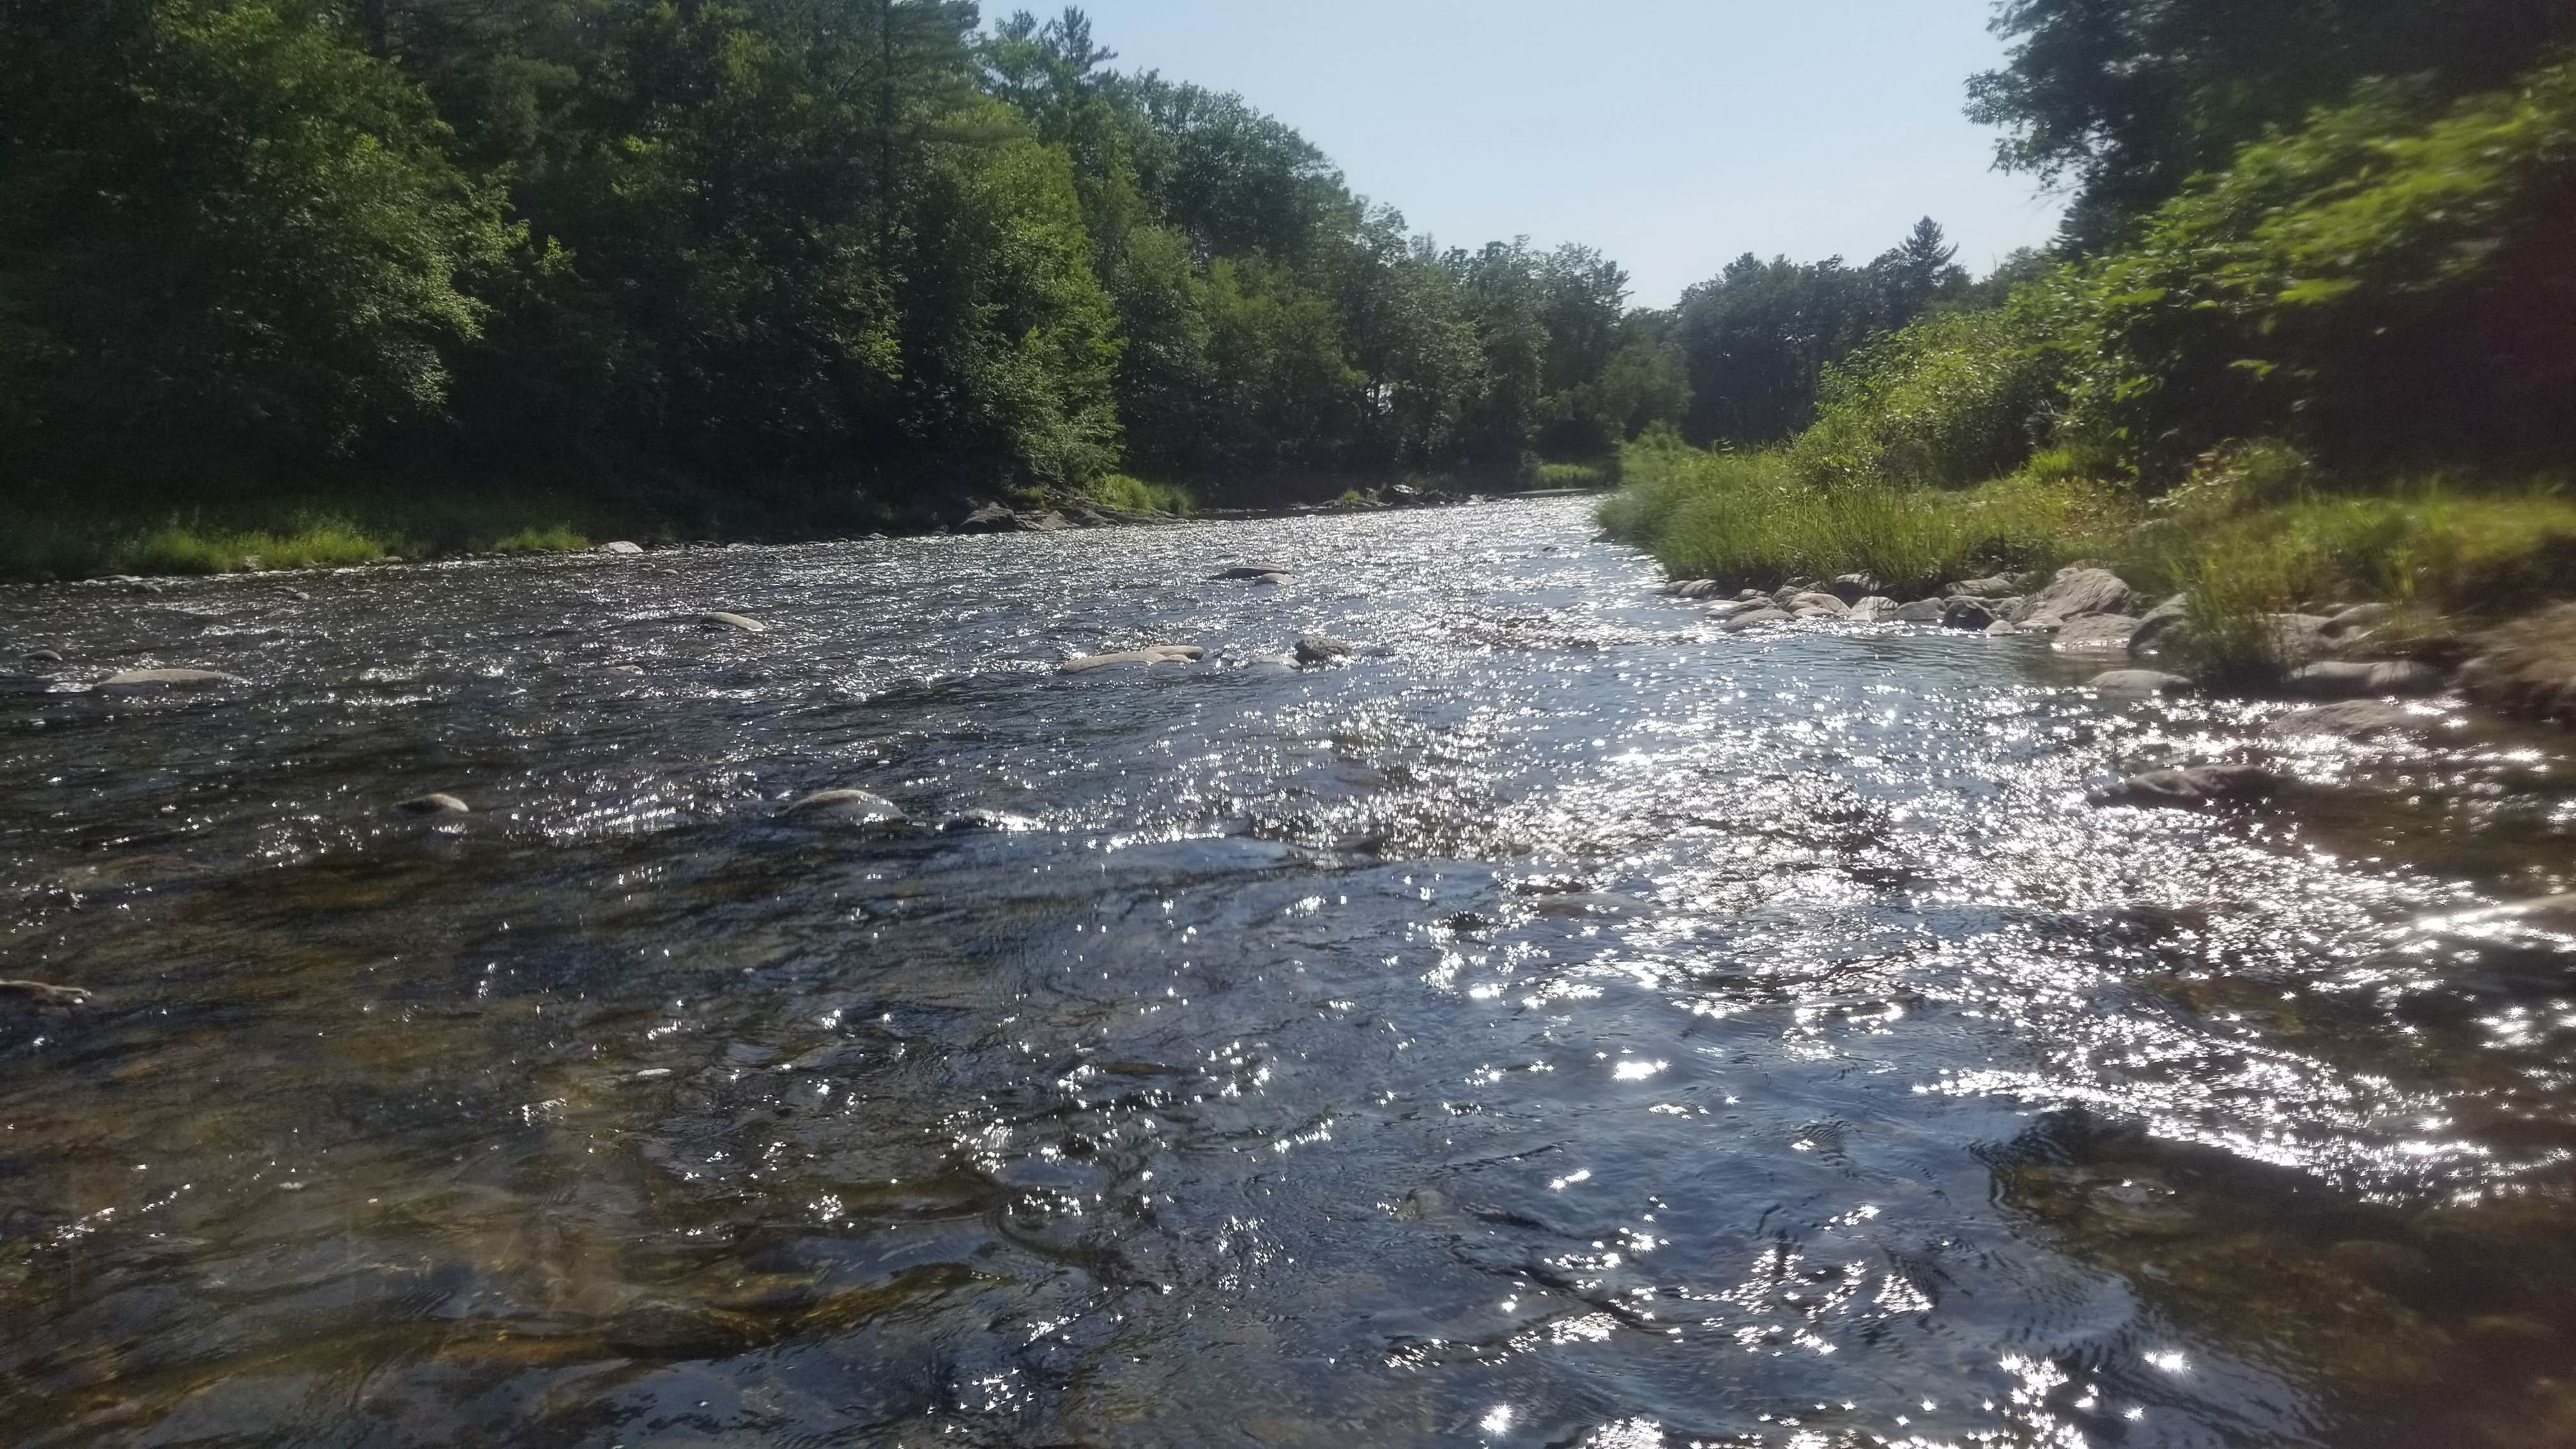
(1135, 495)
(1952, 400)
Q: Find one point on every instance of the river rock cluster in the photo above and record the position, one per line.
(2355, 668)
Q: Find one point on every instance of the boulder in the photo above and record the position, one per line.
(2005, 629)
(1269, 581)
(1876, 609)
(150, 681)
(2140, 683)
(621, 547)
(2527, 667)
(1967, 611)
(2079, 591)
(1253, 571)
(1149, 656)
(1320, 649)
(2356, 720)
(41, 656)
(1998, 587)
(1047, 522)
(2360, 618)
(45, 993)
(2158, 623)
(2297, 638)
(2194, 785)
(1691, 588)
(1753, 618)
(1852, 588)
(1822, 603)
(434, 804)
(2110, 632)
(719, 622)
(1921, 611)
(2362, 679)
(991, 518)
(843, 807)
(1721, 612)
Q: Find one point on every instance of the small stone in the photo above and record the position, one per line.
(2140, 683)
(1318, 649)
(2356, 720)
(621, 546)
(434, 804)
(144, 681)
(2194, 785)
(717, 622)
(1148, 657)
(1753, 618)
(851, 807)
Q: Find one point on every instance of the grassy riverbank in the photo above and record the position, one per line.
(2257, 530)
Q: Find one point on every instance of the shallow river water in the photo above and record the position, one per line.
(1563, 1024)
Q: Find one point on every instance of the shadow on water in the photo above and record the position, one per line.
(1561, 1023)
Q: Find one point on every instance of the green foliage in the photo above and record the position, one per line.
(1748, 518)
(548, 538)
(1949, 401)
(1135, 495)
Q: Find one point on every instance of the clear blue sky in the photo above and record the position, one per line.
(1672, 134)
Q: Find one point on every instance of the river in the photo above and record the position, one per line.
(1561, 1024)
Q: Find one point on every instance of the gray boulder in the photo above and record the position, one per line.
(2078, 591)
(2363, 679)
(2355, 720)
(1876, 609)
(1719, 613)
(1251, 571)
(1998, 587)
(2110, 632)
(2140, 683)
(2194, 786)
(2297, 638)
(1967, 611)
(2528, 667)
(1921, 611)
(1754, 618)
(717, 623)
(1852, 588)
(153, 681)
(2158, 624)
(991, 518)
(1320, 649)
(1146, 657)
(41, 656)
(843, 807)
(1822, 603)
(620, 547)
(2359, 619)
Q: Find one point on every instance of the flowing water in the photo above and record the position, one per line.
(1562, 1024)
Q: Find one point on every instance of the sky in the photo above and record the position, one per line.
(1674, 135)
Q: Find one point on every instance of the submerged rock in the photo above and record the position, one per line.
(45, 993)
(1720, 613)
(1253, 571)
(41, 656)
(2356, 720)
(2140, 683)
(434, 804)
(2357, 679)
(1754, 617)
(2194, 785)
(717, 622)
(1269, 581)
(1319, 649)
(147, 681)
(1151, 655)
(846, 807)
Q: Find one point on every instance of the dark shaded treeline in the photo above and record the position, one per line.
(837, 246)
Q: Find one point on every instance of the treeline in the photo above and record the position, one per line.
(858, 243)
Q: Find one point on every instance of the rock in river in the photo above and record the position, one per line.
(1997, 587)
(45, 993)
(1921, 611)
(2140, 683)
(1317, 649)
(621, 546)
(146, 681)
(1819, 602)
(2194, 785)
(845, 807)
(2357, 720)
(2110, 632)
(1967, 611)
(2076, 592)
(1876, 609)
(736, 622)
(2360, 679)
(1253, 571)
(1148, 656)
(2528, 667)
(1754, 617)
(434, 804)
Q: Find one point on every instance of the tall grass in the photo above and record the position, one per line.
(1748, 518)
(1135, 495)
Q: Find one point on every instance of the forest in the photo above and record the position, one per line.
(478, 272)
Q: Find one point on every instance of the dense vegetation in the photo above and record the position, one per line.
(2311, 334)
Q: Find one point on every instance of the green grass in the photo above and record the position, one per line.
(1578, 475)
(1135, 495)
(553, 538)
(1747, 519)
(235, 535)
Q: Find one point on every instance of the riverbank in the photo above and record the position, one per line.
(2253, 540)
(162, 533)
